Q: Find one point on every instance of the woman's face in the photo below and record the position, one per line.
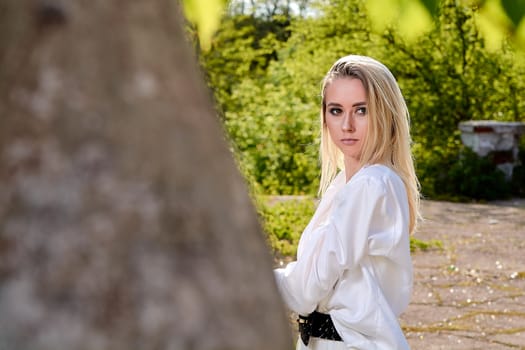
(346, 116)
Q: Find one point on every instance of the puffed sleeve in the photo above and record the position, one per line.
(333, 247)
(305, 282)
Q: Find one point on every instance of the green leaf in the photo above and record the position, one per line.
(431, 6)
(515, 9)
(205, 15)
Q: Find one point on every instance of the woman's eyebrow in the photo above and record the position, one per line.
(356, 104)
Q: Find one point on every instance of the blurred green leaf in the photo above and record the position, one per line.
(515, 9)
(431, 6)
(205, 15)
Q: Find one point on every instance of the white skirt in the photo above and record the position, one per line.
(321, 344)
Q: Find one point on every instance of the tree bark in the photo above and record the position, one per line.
(124, 223)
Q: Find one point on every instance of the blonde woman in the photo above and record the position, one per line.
(353, 273)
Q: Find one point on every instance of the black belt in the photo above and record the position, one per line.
(317, 325)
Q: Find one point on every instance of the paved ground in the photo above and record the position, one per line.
(469, 294)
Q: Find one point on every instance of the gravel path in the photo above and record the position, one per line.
(470, 293)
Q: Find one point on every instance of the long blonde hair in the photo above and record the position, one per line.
(388, 139)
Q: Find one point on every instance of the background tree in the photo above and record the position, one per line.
(449, 76)
(270, 110)
(123, 221)
(499, 19)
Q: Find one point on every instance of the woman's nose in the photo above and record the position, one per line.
(347, 123)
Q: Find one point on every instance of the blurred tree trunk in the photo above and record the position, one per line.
(124, 223)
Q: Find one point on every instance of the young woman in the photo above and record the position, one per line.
(353, 274)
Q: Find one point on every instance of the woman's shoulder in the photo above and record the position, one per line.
(371, 180)
(377, 173)
(371, 183)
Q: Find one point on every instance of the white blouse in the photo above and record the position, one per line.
(353, 260)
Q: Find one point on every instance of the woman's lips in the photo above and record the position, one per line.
(349, 141)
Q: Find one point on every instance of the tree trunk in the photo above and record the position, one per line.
(124, 223)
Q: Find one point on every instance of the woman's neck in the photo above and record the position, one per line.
(352, 166)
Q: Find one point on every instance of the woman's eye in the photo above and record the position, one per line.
(335, 111)
(360, 111)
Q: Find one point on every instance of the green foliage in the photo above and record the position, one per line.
(447, 77)
(433, 164)
(277, 149)
(518, 175)
(431, 6)
(205, 17)
(416, 244)
(284, 220)
(515, 9)
(472, 176)
(266, 73)
(271, 110)
(241, 49)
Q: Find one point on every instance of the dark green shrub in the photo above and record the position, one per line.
(432, 166)
(472, 176)
(518, 175)
(283, 221)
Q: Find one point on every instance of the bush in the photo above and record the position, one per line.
(272, 119)
(448, 76)
(267, 87)
(472, 176)
(518, 175)
(284, 220)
